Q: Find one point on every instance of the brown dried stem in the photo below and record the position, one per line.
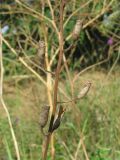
(48, 137)
(59, 65)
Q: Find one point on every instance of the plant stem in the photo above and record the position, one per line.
(3, 103)
(45, 146)
(61, 43)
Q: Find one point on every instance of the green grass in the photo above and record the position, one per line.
(97, 116)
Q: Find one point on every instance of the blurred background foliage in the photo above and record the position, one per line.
(98, 45)
(97, 41)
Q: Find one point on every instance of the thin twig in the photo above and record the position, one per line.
(84, 147)
(69, 154)
(39, 15)
(69, 76)
(23, 62)
(78, 148)
(72, 100)
(115, 62)
(89, 67)
(3, 103)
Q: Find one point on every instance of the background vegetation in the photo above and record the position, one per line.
(89, 128)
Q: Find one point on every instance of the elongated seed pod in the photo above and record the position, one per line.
(56, 123)
(41, 48)
(84, 90)
(44, 116)
(41, 52)
(77, 29)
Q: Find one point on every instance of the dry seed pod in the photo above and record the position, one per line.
(56, 123)
(41, 51)
(85, 90)
(77, 29)
(44, 116)
(58, 119)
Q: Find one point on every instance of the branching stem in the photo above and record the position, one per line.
(61, 43)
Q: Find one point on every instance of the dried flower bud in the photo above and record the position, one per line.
(44, 116)
(85, 90)
(41, 50)
(77, 29)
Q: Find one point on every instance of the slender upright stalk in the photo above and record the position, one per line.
(61, 43)
(3, 103)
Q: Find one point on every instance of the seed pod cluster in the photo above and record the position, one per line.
(84, 90)
(44, 116)
(77, 29)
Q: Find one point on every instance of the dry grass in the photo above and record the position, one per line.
(96, 116)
